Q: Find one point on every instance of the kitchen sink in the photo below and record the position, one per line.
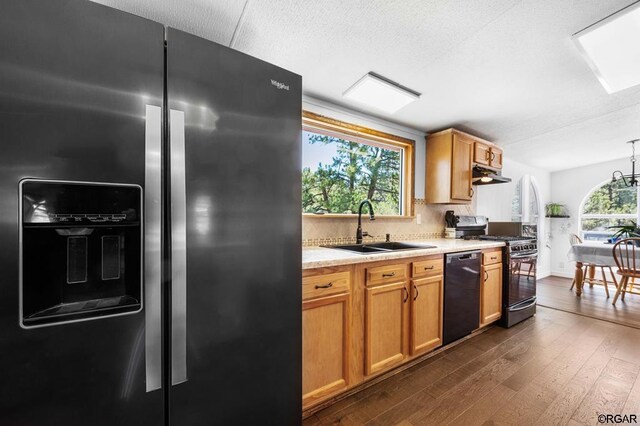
(394, 245)
(360, 248)
(384, 247)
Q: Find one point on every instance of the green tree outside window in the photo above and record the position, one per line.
(610, 204)
(349, 173)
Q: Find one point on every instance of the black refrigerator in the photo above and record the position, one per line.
(150, 218)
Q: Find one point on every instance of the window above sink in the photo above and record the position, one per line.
(344, 163)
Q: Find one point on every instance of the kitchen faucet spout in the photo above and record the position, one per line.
(372, 216)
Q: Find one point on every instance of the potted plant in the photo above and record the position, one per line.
(555, 210)
(624, 231)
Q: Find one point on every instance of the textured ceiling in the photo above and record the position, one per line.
(504, 69)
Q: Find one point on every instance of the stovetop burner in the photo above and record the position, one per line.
(513, 243)
(503, 238)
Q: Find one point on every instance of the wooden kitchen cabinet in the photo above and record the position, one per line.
(326, 322)
(462, 168)
(449, 167)
(362, 321)
(482, 153)
(426, 314)
(403, 305)
(385, 326)
(491, 288)
(496, 158)
(486, 154)
(450, 158)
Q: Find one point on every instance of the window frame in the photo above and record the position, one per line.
(528, 193)
(582, 216)
(312, 122)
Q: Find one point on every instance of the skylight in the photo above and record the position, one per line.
(612, 48)
(381, 93)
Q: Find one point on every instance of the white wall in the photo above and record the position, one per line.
(570, 187)
(334, 111)
(494, 201)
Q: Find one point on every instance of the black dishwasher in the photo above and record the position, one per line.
(461, 295)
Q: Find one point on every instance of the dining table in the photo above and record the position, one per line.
(590, 253)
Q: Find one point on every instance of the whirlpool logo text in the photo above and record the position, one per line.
(279, 85)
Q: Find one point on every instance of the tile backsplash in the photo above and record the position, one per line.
(321, 230)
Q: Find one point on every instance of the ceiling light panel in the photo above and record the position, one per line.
(378, 92)
(612, 48)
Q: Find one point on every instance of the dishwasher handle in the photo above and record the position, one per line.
(470, 255)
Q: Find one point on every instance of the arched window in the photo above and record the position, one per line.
(608, 204)
(525, 206)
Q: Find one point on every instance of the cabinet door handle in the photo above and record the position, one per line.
(471, 192)
(417, 292)
(493, 156)
(428, 267)
(324, 286)
(486, 275)
(487, 155)
(406, 295)
(393, 274)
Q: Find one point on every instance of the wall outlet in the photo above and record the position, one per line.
(419, 219)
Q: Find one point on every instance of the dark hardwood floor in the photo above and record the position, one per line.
(554, 369)
(554, 292)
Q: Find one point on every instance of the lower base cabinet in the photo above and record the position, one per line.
(490, 294)
(426, 314)
(325, 346)
(362, 320)
(491, 287)
(386, 317)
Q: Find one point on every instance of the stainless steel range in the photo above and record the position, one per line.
(518, 277)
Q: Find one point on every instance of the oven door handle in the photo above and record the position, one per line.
(522, 308)
(525, 256)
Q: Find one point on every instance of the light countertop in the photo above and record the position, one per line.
(319, 257)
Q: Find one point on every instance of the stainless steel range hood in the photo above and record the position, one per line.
(482, 176)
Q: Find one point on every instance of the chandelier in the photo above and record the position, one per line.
(630, 179)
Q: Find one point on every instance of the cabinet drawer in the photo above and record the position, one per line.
(427, 268)
(491, 257)
(325, 285)
(386, 274)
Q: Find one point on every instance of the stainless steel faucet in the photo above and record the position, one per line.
(359, 233)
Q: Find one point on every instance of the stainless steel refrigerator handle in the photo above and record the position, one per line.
(178, 249)
(152, 247)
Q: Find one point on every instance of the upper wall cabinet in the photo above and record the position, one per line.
(449, 168)
(487, 155)
(450, 158)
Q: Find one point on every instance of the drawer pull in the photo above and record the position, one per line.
(393, 274)
(494, 257)
(428, 267)
(324, 286)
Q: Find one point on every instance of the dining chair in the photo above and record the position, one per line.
(624, 254)
(589, 273)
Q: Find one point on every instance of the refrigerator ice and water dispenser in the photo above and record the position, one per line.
(81, 251)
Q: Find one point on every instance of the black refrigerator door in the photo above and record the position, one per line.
(235, 126)
(77, 83)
